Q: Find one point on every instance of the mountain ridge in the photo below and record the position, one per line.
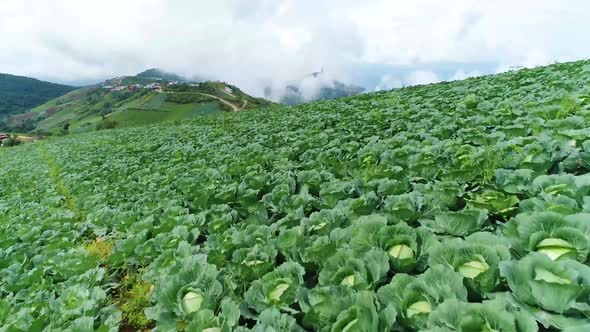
(19, 94)
(158, 73)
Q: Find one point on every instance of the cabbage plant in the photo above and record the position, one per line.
(460, 223)
(415, 297)
(341, 309)
(489, 316)
(406, 247)
(476, 258)
(549, 233)
(276, 289)
(350, 269)
(561, 286)
(192, 286)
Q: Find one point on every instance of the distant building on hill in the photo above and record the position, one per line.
(118, 80)
(119, 88)
(154, 87)
(228, 90)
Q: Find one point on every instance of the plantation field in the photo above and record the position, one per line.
(138, 111)
(166, 112)
(155, 102)
(81, 114)
(461, 206)
(84, 109)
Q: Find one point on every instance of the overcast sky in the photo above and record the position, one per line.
(253, 43)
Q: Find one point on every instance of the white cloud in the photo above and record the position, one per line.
(253, 43)
(425, 31)
(388, 82)
(422, 77)
(461, 75)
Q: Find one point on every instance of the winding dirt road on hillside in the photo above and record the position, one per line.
(244, 105)
(233, 107)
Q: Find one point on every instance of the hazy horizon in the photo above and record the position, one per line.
(377, 44)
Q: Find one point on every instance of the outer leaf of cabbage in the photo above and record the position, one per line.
(317, 249)
(361, 316)
(441, 194)
(476, 258)
(273, 320)
(4, 310)
(252, 263)
(549, 233)
(514, 181)
(333, 192)
(585, 155)
(404, 207)
(494, 201)
(277, 288)
(545, 318)
(364, 232)
(206, 321)
(407, 247)
(322, 305)
(460, 223)
(569, 185)
(549, 203)
(324, 221)
(489, 316)
(558, 286)
(349, 269)
(415, 297)
(187, 288)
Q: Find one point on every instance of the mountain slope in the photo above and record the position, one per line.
(161, 74)
(132, 101)
(19, 94)
(459, 206)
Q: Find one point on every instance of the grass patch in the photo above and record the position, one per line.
(101, 248)
(187, 98)
(61, 188)
(133, 299)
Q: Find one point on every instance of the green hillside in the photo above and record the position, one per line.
(19, 94)
(132, 101)
(161, 74)
(460, 206)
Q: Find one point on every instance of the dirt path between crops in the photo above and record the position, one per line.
(245, 103)
(227, 93)
(233, 107)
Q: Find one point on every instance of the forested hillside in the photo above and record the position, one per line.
(19, 94)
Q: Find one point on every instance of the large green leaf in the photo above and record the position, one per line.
(460, 223)
(557, 286)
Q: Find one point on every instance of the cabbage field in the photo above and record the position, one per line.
(461, 206)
